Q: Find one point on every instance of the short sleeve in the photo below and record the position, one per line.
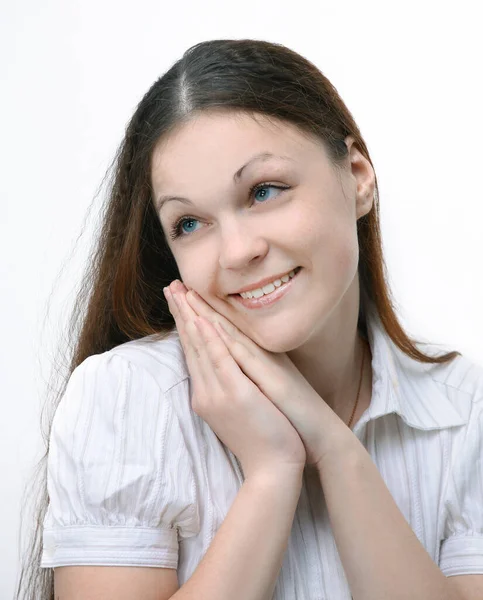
(119, 474)
(462, 547)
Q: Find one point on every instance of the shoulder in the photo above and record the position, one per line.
(461, 380)
(429, 395)
(143, 374)
(122, 464)
(441, 395)
(159, 357)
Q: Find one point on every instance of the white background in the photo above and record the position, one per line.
(71, 76)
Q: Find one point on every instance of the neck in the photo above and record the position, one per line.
(331, 363)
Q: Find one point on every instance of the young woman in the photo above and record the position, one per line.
(245, 416)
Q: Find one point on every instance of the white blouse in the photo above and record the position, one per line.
(137, 478)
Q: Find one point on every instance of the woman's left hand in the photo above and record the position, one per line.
(277, 377)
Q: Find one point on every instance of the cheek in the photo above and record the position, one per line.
(198, 277)
(192, 276)
(196, 264)
(344, 256)
(333, 246)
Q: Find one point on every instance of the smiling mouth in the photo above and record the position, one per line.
(271, 297)
(282, 281)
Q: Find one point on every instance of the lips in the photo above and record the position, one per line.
(263, 282)
(268, 300)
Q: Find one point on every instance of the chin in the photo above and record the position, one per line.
(278, 342)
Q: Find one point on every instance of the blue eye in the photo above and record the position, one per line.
(263, 187)
(183, 223)
(178, 231)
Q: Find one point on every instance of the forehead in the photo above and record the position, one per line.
(214, 142)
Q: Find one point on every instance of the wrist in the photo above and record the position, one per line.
(277, 475)
(340, 445)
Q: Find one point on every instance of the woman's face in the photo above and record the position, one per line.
(226, 238)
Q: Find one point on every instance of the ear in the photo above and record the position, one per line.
(364, 178)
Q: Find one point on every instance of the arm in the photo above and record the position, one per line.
(244, 560)
(382, 556)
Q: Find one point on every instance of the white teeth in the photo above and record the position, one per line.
(269, 288)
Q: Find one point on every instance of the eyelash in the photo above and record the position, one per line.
(176, 231)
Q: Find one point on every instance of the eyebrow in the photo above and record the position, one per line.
(262, 156)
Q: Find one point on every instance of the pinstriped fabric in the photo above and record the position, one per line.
(462, 548)
(119, 475)
(135, 477)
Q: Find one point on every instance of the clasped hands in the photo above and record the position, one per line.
(274, 374)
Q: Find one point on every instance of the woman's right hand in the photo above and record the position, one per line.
(243, 418)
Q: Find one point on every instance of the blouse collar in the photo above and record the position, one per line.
(404, 386)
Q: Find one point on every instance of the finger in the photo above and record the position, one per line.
(185, 333)
(245, 351)
(218, 364)
(254, 362)
(185, 310)
(193, 346)
(264, 370)
(197, 349)
(203, 370)
(223, 372)
(180, 310)
(203, 309)
(181, 324)
(208, 351)
(173, 309)
(178, 286)
(248, 360)
(196, 362)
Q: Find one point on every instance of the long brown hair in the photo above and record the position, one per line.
(120, 297)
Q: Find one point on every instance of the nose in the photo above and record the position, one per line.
(240, 245)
